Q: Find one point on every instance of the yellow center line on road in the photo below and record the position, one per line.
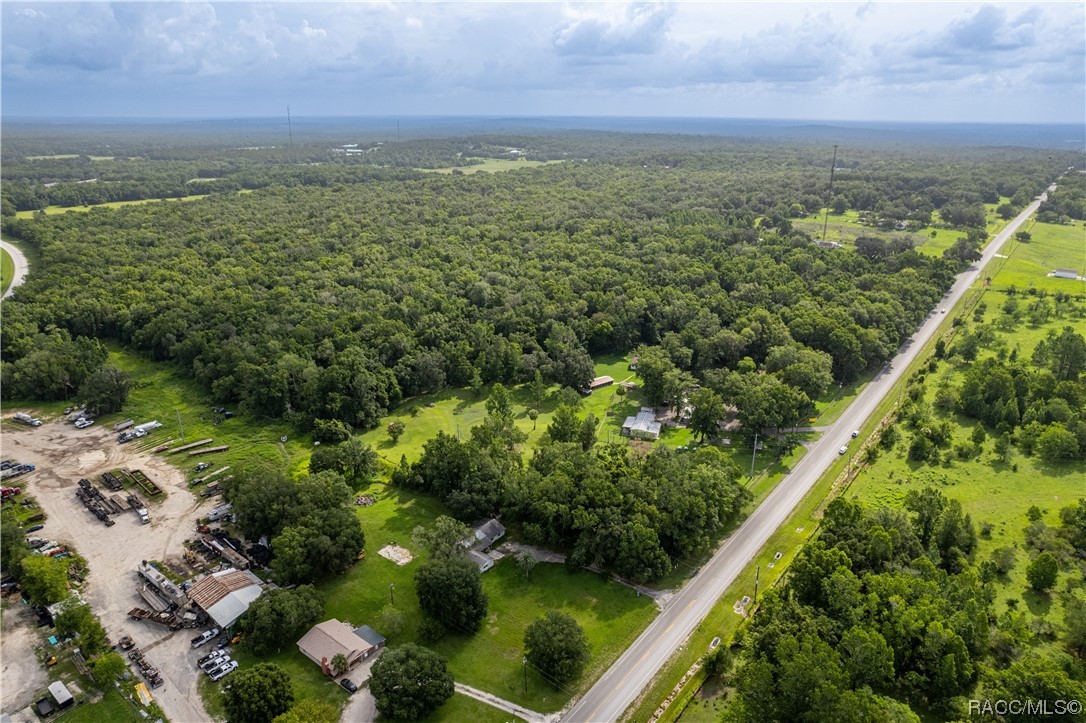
(592, 715)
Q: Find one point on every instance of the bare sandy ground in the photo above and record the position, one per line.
(21, 672)
(65, 454)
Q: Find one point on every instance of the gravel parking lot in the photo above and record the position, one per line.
(63, 455)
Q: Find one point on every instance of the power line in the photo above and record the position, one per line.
(829, 193)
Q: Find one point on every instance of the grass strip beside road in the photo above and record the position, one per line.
(7, 270)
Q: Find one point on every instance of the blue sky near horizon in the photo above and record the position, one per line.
(913, 61)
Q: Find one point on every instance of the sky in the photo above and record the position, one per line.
(882, 61)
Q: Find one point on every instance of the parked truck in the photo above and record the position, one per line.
(27, 419)
(219, 513)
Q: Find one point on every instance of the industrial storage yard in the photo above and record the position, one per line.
(64, 455)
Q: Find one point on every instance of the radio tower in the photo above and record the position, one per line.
(829, 193)
(290, 131)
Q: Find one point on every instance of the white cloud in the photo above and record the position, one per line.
(639, 30)
(769, 58)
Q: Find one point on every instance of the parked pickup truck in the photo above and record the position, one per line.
(204, 637)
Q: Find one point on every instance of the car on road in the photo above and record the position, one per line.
(843, 450)
(204, 637)
(348, 685)
(84, 423)
(34, 528)
(225, 670)
(855, 433)
(942, 311)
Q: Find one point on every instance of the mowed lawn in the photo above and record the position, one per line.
(462, 709)
(456, 410)
(612, 615)
(1051, 246)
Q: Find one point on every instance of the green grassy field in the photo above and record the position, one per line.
(845, 229)
(7, 270)
(491, 165)
(49, 210)
(611, 614)
(990, 491)
(113, 707)
(1052, 246)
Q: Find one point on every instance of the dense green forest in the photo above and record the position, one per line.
(883, 607)
(336, 299)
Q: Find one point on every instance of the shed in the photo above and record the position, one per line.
(600, 382)
(60, 694)
(1065, 273)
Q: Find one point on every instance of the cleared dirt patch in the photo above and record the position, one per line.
(399, 555)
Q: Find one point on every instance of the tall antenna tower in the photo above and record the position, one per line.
(290, 130)
(829, 193)
(397, 131)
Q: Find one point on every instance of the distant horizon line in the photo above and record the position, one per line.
(6, 118)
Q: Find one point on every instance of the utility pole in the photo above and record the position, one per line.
(180, 425)
(525, 666)
(290, 129)
(754, 455)
(757, 575)
(829, 193)
(392, 593)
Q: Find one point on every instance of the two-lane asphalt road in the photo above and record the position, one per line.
(21, 267)
(619, 687)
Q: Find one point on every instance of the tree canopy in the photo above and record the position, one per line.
(276, 619)
(257, 694)
(450, 591)
(410, 681)
(557, 647)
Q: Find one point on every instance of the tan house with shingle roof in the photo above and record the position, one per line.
(326, 640)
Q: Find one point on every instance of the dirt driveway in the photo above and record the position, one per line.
(63, 455)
